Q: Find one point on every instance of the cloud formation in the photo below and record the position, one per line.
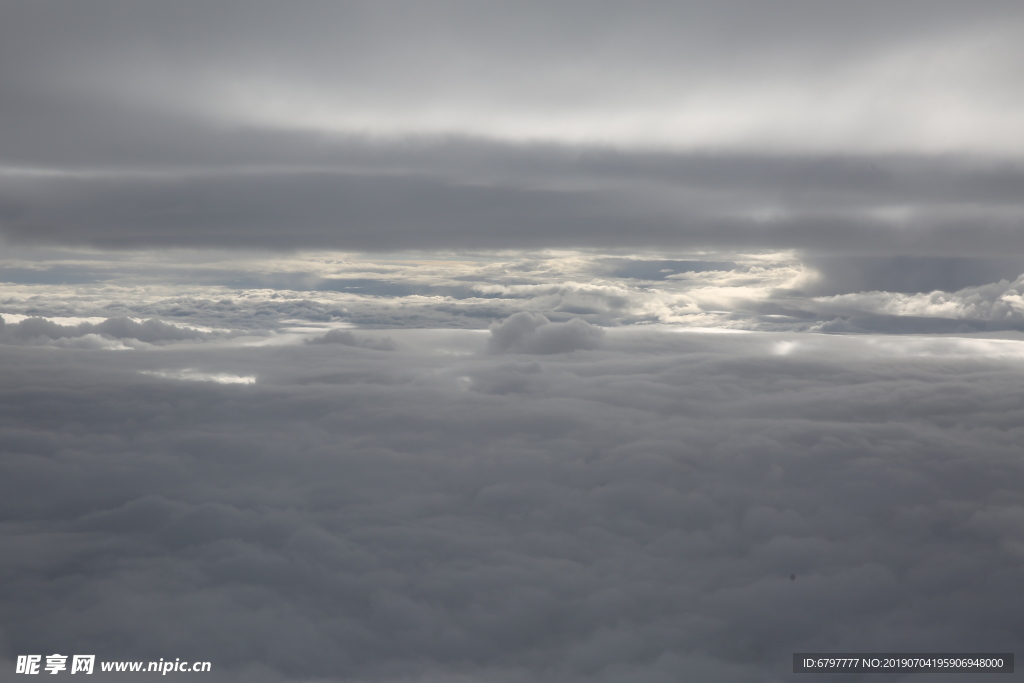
(799, 76)
(513, 342)
(305, 295)
(527, 332)
(442, 512)
(441, 125)
(346, 337)
(40, 331)
(502, 197)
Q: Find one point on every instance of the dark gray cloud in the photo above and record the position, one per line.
(631, 513)
(450, 125)
(419, 211)
(907, 273)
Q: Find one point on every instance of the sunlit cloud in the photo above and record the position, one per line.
(190, 375)
(944, 95)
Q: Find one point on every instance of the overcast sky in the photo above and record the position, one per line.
(820, 126)
(513, 342)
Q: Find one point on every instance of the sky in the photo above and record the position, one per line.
(425, 341)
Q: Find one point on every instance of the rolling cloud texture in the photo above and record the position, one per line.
(632, 512)
(512, 342)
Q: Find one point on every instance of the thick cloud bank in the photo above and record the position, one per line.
(632, 512)
(846, 129)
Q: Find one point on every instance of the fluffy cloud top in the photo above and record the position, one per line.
(526, 332)
(346, 337)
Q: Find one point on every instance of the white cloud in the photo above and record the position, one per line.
(944, 92)
(996, 302)
(324, 289)
(191, 375)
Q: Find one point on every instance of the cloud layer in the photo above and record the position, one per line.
(441, 125)
(440, 512)
(927, 76)
(217, 295)
(439, 195)
(512, 342)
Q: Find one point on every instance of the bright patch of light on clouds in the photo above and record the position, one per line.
(927, 98)
(784, 348)
(190, 375)
(300, 294)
